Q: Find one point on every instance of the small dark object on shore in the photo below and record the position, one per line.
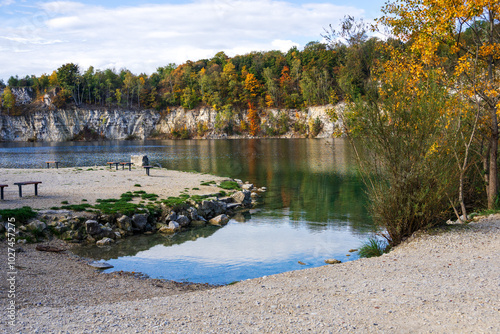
(45, 248)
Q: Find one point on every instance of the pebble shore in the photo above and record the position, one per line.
(444, 282)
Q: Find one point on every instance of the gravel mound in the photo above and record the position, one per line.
(445, 282)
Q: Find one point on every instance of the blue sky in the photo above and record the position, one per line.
(37, 37)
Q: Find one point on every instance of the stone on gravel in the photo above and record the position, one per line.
(100, 265)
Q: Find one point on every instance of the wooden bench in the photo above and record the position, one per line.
(113, 163)
(52, 162)
(21, 184)
(147, 169)
(1, 190)
(129, 164)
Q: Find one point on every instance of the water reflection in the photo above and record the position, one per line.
(314, 207)
(236, 252)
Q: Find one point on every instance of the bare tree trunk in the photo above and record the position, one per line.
(493, 168)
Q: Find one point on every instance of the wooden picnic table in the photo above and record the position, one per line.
(20, 184)
(1, 190)
(52, 162)
(113, 163)
(129, 164)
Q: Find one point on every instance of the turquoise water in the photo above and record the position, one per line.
(314, 208)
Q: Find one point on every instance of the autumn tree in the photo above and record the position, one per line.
(470, 30)
(253, 120)
(8, 99)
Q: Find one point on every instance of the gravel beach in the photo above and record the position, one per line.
(444, 282)
(91, 183)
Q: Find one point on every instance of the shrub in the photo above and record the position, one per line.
(405, 163)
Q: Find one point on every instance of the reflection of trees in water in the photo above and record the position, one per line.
(130, 246)
(316, 179)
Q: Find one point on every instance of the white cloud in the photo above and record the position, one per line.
(7, 2)
(144, 37)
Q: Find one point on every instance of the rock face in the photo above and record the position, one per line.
(64, 124)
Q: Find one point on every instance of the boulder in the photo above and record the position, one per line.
(92, 227)
(219, 220)
(139, 160)
(36, 225)
(172, 227)
(104, 242)
(242, 197)
(247, 186)
(183, 220)
(192, 213)
(124, 223)
(332, 261)
(139, 221)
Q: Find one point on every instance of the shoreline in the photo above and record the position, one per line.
(78, 185)
(441, 282)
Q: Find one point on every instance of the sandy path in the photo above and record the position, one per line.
(75, 184)
(443, 283)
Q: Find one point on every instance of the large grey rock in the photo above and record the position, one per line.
(183, 221)
(219, 220)
(124, 223)
(172, 227)
(243, 197)
(92, 227)
(139, 221)
(139, 160)
(36, 225)
(192, 213)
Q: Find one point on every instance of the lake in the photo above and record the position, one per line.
(314, 208)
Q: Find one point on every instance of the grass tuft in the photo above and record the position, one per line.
(229, 185)
(373, 248)
(21, 215)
